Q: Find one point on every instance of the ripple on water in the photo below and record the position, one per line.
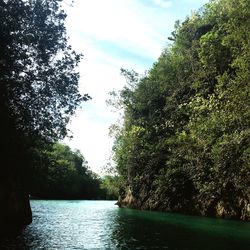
(102, 225)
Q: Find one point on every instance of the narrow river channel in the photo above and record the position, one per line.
(102, 225)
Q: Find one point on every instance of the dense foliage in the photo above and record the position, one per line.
(184, 144)
(38, 77)
(39, 84)
(38, 93)
(61, 173)
(110, 187)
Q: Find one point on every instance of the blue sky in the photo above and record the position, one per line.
(114, 34)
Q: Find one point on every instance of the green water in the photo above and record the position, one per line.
(102, 225)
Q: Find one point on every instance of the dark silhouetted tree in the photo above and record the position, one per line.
(38, 88)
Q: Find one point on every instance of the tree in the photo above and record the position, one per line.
(60, 173)
(38, 88)
(110, 186)
(184, 142)
(38, 77)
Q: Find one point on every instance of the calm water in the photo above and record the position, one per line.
(102, 225)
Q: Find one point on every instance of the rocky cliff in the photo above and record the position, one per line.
(235, 206)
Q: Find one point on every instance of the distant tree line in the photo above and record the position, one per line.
(60, 173)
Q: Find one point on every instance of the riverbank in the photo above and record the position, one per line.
(235, 207)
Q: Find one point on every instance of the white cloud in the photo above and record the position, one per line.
(89, 24)
(116, 21)
(133, 27)
(90, 125)
(163, 3)
(91, 138)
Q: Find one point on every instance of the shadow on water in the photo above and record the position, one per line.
(153, 230)
(102, 225)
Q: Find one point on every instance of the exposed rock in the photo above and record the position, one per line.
(235, 208)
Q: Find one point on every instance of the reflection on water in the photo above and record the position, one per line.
(151, 230)
(102, 225)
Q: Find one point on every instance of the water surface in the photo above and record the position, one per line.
(102, 225)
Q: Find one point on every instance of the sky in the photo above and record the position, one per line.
(114, 34)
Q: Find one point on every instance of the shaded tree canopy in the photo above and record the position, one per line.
(61, 173)
(38, 94)
(38, 77)
(110, 186)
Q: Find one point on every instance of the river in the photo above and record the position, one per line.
(102, 225)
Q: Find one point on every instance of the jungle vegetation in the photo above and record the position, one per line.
(184, 142)
(39, 93)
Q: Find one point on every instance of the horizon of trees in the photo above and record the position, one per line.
(62, 173)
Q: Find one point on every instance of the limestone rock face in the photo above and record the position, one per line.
(143, 197)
